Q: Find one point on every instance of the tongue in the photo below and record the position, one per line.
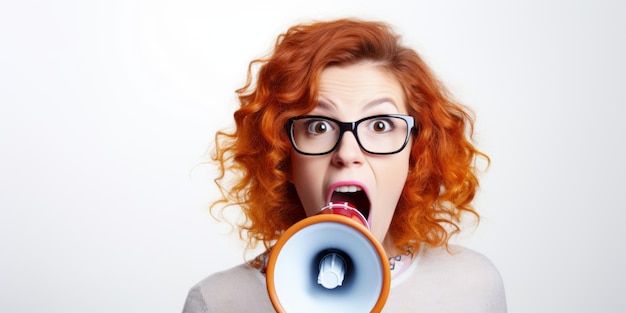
(345, 209)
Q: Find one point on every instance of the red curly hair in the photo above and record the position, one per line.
(442, 181)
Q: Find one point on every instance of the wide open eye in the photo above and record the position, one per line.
(318, 127)
(381, 125)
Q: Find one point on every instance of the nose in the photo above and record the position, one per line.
(348, 153)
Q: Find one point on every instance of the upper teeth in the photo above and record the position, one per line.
(348, 189)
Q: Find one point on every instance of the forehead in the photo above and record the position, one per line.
(363, 85)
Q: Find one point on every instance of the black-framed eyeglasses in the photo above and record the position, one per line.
(378, 134)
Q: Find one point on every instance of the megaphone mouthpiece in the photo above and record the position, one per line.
(345, 209)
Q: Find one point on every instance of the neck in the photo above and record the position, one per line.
(390, 248)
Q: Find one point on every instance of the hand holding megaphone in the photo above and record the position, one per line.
(329, 262)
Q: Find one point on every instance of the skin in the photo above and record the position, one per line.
(349, 93)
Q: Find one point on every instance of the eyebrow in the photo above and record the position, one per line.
(381, 101)
(325, 105)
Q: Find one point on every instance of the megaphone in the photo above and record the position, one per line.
(329, 262)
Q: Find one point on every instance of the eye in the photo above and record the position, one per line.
(381, 126)
(318, 127)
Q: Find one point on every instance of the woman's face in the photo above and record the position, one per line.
(348, 94)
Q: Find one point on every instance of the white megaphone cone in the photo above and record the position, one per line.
(329, 262)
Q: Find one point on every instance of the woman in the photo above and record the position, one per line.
(341, 111)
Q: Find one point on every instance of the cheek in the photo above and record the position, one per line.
(307, 177)
(392, 175)
(391, 178)
(391, 186)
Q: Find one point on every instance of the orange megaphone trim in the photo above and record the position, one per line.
(324, 218)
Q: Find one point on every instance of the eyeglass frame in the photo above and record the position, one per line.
(351, 126)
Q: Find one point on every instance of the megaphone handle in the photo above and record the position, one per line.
(332, 270)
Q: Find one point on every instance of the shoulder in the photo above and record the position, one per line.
(462, 270)
(457, 260)
(223, 292)
(452, 279)
(242, 274)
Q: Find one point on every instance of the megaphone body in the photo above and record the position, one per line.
(329, 262)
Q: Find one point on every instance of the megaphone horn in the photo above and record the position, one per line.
(328, 262)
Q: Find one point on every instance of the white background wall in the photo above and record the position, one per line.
(106, 108)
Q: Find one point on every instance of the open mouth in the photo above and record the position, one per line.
(353, 195)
